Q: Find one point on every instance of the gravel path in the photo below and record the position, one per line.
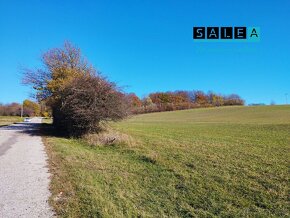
(24, 176)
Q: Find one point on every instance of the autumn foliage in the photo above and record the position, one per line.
(181, 100)
(29, 109)
(12, 109)
(80, 98)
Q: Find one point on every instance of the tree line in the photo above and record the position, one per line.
(180, 100)
(154, 102)
(81, 98)
(27, 109)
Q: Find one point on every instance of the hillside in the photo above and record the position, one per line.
(230, 161)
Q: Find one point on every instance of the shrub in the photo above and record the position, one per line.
(88, 100)
(76, 93)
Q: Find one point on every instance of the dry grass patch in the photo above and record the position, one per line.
(7, 120)
(109, 136)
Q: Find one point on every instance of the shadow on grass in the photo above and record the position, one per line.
(49, 130)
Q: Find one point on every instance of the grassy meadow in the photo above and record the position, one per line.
(226, 162)
(7, 120)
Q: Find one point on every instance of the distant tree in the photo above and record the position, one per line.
(160, 98)
(31, 108)
(148, 106)
(181, 100)
(147, 102)
(133, 100)
(134, 103)
(233, 99)
(1, 109)
(179, 97)
(215, 99)
(45, 110)
(200, 98)
(13, 109)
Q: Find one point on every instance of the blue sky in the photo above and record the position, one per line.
(147, 45)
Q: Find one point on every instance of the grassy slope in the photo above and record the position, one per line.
(7, 120)
(206, 162)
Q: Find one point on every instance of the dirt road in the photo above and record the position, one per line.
(24, 177)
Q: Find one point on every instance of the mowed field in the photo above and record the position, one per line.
(227, 162)
(7, 120)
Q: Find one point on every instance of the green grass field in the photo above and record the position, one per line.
(227, 162)
(7, 120)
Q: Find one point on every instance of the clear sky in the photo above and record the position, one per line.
(147, 45)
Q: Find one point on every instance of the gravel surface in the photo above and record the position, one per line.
(24, 176)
